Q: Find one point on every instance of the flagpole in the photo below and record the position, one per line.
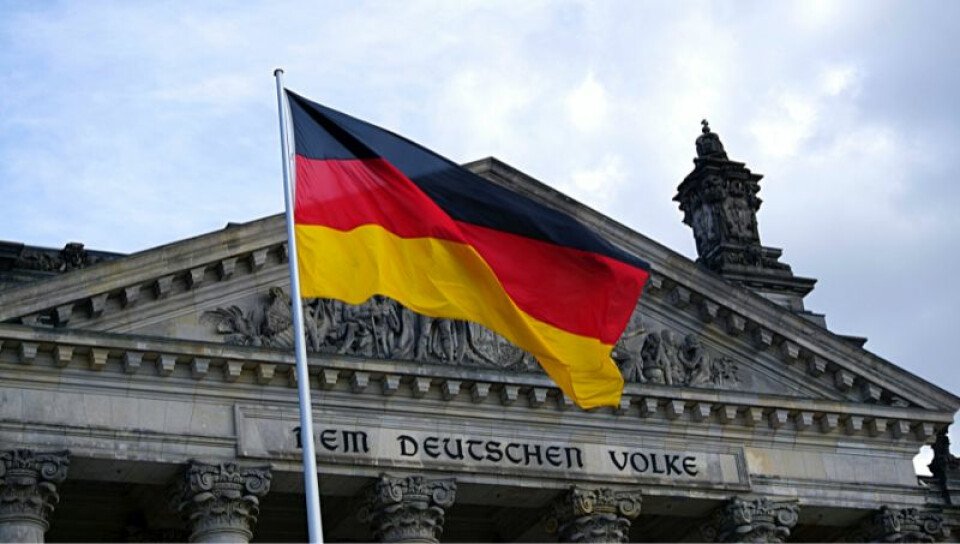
(310, 476)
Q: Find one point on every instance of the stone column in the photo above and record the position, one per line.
(753, 520)
(409, 509)
(28, 492)
(902, 525)
(594, 515)
(220, 501)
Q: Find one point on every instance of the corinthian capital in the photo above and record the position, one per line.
(902, 525)
(594, 514)
(28, 485)
(409, 509)
(753, 520)
(221, 500)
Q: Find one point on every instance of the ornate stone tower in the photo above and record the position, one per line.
(719, 201)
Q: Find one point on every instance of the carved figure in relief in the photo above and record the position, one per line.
(694, 361)
(627, 354)
(656, 365)
(383, 328)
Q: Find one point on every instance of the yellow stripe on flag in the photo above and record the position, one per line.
(440, 278)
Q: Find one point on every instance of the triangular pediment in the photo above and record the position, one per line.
(692, 329)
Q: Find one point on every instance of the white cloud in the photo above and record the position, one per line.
(598, 185)
(838, 79)
(587, 105)
(786, 124)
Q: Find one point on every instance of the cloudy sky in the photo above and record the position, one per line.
(126, 125)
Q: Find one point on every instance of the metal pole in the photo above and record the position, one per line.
(310, 476)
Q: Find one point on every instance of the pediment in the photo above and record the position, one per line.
(692, 330)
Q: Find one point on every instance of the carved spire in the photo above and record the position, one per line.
(708, 144)
(594, 515)
(719, 202)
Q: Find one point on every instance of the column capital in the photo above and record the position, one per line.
(599, 514)
(407, 509)
(753, 520)
(891, 524)
(221, 501)
(28, 486)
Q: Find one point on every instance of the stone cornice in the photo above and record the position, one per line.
(149, 359)
(733, 309)
(148, 274)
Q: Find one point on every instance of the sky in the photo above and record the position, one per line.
(127, 125)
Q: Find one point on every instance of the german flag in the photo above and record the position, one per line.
(375, 213)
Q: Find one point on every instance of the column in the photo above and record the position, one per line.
(754, 520)
(407, 509)
(594, 515)
(220, 501)
(890, 524)
(28, 492)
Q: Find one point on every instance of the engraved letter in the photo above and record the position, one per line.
(455, 454)
(328, 439)
(404, 442)
(613, 457)
(475, 456)
(431, 446)
(493, 451)
(355, 442)
(690, 465)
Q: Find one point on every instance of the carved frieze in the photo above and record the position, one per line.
(383, 328)
(379, 328)
(662, 356)
(407, 509)
(593, 515)
(222, 500)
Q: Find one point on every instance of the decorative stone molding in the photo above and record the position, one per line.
(378, 328)
(86, 350)
(28, 492)
(889, 524)
(382, 328)
(221, 501)
(594, 515)
(73, 256)
(407, 509)
(752, 520)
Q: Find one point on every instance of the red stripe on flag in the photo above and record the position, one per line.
(578, 291)
(345, 194)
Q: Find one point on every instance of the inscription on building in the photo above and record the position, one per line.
(486, 449)
(518, 453)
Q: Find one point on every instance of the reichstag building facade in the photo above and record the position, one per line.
(151, 397)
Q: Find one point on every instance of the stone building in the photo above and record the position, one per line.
(150, 397)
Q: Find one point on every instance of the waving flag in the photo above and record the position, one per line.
(376, 213)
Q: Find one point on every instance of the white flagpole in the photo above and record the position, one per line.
(310, 476)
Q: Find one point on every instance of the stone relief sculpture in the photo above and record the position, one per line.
(379, 328)
(383, 328)
(72, 257)
(660, 357)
